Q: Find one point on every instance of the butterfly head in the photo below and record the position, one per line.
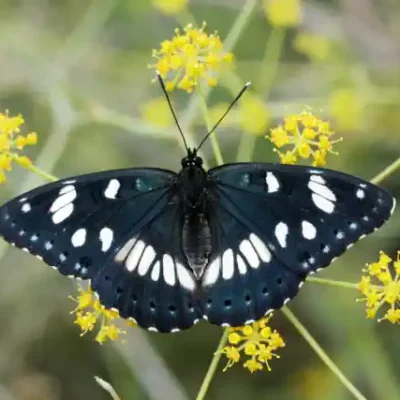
(192, 159)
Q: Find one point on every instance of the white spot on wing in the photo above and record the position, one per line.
(78, 239)
(26, 207)
(272, 182)
(228, 267)
(155, 273)
(360, 194)
(212, 272)
(260, 247)
(66, 196)
(318, 179)
(249, 253)
(241, 265)
(323, 204)
(308, 230)
(169, 270)
(147, 259)
(124, 251)
(106, 238)
(48, 245)
(134, 255)
(281, 232)
(112, 189)
(185, 278)
(63, 213)
(321, 189)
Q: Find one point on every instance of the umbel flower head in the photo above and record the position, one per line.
(307, 135)
(381, 287)
(257, 342)
(190, 57)
(89, 311)
(170, 7)
(11, 142)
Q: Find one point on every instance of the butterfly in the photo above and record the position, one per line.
(167, 249)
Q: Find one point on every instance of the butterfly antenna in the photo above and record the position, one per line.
(172, 109)
(240, 94)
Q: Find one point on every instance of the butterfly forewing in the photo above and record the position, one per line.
(272, 225)
(74, 224)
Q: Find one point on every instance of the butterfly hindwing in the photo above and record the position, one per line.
(243, 280)
(149, 279)
(288, 221)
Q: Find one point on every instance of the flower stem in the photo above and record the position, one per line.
(213, 367)
(214, 142)
(40, 172)
(270, 62)
(269, 66)
(389, 170)
(321, 353)
(332, 282)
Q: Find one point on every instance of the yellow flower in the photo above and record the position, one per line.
(381, 286)
(316, 47)
(256, 341)
(157, 112)
(307, 135)
(286, 13)
(11, 141)
(190, 57)
(346, 107)
(254, 115)
(89, 310)
(170, 7)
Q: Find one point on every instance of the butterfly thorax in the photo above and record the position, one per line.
(196, 242)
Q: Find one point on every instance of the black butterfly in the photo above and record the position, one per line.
(167, 249)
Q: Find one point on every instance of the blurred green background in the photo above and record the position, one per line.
(77, 71)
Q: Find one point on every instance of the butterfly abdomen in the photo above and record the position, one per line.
(196, 242)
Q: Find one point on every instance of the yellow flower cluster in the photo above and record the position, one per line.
(170, 7)
(11, 141)
(316, 47)
(89, 310)
(283, 13)
(257, 341)
(308, 135)
(381, 286)
(190, 57)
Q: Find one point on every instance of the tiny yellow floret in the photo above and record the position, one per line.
(11, 142)
(190, 58)
(307, 135)
(381, 286)
(256, 341)
(89, 311)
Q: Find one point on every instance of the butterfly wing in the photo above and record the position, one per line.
(118, 228)
(148, 278)
(275, 224)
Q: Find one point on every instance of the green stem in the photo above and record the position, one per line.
(331, 282)
(270, 62)
(214, 141)
(321, 354)
(269, 67)
(212, 368)
(389, 170)
(39, 171)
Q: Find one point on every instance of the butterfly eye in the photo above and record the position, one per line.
(198, 161)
